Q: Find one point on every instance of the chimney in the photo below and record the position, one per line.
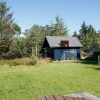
(64, 43)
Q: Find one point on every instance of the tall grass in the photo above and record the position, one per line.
(16, 62)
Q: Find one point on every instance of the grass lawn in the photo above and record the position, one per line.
(59, 78)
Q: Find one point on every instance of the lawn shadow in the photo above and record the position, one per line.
(95, 67)
(92, 63)
(89, 62)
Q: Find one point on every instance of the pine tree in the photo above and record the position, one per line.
(6, 27)
(75, 34)
(91, 36)
(87, 36)
(83, 35)
(59, 28)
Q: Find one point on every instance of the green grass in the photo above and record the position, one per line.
(59, 78)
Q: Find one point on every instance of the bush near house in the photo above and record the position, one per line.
(93, 56)
(34, 60)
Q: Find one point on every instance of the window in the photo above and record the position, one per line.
(72, 50)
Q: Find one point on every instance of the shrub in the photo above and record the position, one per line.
(10, 55)
(34, 60)
(93, 57)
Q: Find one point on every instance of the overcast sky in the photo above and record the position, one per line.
(41, 12)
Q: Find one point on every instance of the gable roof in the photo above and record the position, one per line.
(54, 41)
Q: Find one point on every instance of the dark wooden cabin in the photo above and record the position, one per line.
(61, 48)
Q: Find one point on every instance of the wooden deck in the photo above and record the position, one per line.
(84, 95)
(79, 96)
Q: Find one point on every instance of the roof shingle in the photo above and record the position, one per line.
(54, 41)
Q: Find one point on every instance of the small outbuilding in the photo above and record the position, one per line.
(61, 48)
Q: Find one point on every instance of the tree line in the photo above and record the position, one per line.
(89, 37)
(12, 45)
